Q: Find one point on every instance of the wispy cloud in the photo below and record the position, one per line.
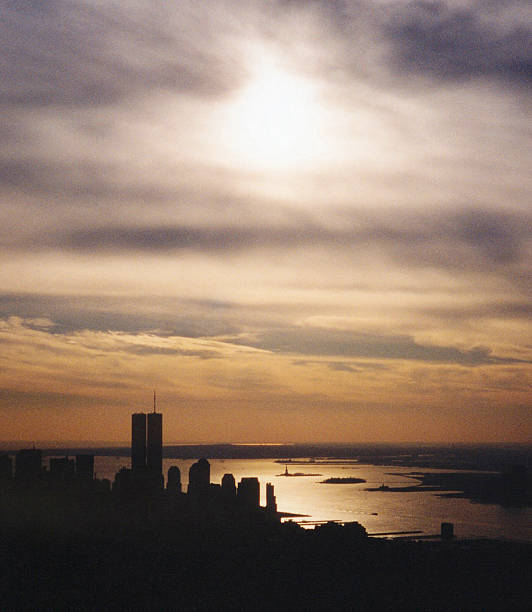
(447, 239)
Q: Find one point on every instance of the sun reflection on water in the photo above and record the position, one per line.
(377, 511)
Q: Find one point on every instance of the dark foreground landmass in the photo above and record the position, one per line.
(145, 555)
(82, 546)
(205, 568)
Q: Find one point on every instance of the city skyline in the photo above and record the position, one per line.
(299, 221)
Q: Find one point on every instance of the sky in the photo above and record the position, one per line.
(296, 220)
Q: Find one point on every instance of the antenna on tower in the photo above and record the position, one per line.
(154, 401)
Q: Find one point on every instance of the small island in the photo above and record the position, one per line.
(348, 480)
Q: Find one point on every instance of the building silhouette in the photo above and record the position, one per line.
(199, 477)
(138, 441)
(228, 487)
(85, 467)
(173, 483)
(271, 502)
(147, 448)
(248, 493)
(154, 443)
(62, 469)
(28, 465)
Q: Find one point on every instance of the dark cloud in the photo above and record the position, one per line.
(84, 185)
(456, 240)
(167, 238)
(197, 319)
(495, 234)
(337, 366)
(511, 380)
(438, 40)
(60, 192)
(85, 54)
(342, 366)
(14, 400)
(450, 43)
(168, 316)
(345, 343)
(512, 309)
(147, 350)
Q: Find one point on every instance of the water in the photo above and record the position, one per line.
(377, 511)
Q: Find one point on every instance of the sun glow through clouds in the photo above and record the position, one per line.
(275, 121)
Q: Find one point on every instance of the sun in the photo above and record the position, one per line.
(275, 120)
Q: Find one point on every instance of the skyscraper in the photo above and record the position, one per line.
(154, 455)
(173, 482)
(271, 503)
(248, 492)
(147, 447)
(85, 467)
(228, 487)
(138, 441)
(199, 477)
(28, 465)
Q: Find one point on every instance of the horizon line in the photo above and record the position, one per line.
(126, 444)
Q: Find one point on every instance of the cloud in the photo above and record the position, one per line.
(342, 366)
(16, 400)
(336, 366)
(483, 246)
(391, 44)
(511, 309)
(286, 339)
(345, 343)
(86, 54)
(162, 350)
(89, 363)
(450, 43)
(165, 316)
(453, 240)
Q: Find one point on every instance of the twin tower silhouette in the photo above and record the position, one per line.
(147, 467)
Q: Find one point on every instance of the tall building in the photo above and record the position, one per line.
(248, 492)
(147, 448)
(173, 482)
(28, 465)
(199, 477)
(85, 467)
(154, 447)
(271, 503)
(138, 441)
(228, 487)
(62, 469)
